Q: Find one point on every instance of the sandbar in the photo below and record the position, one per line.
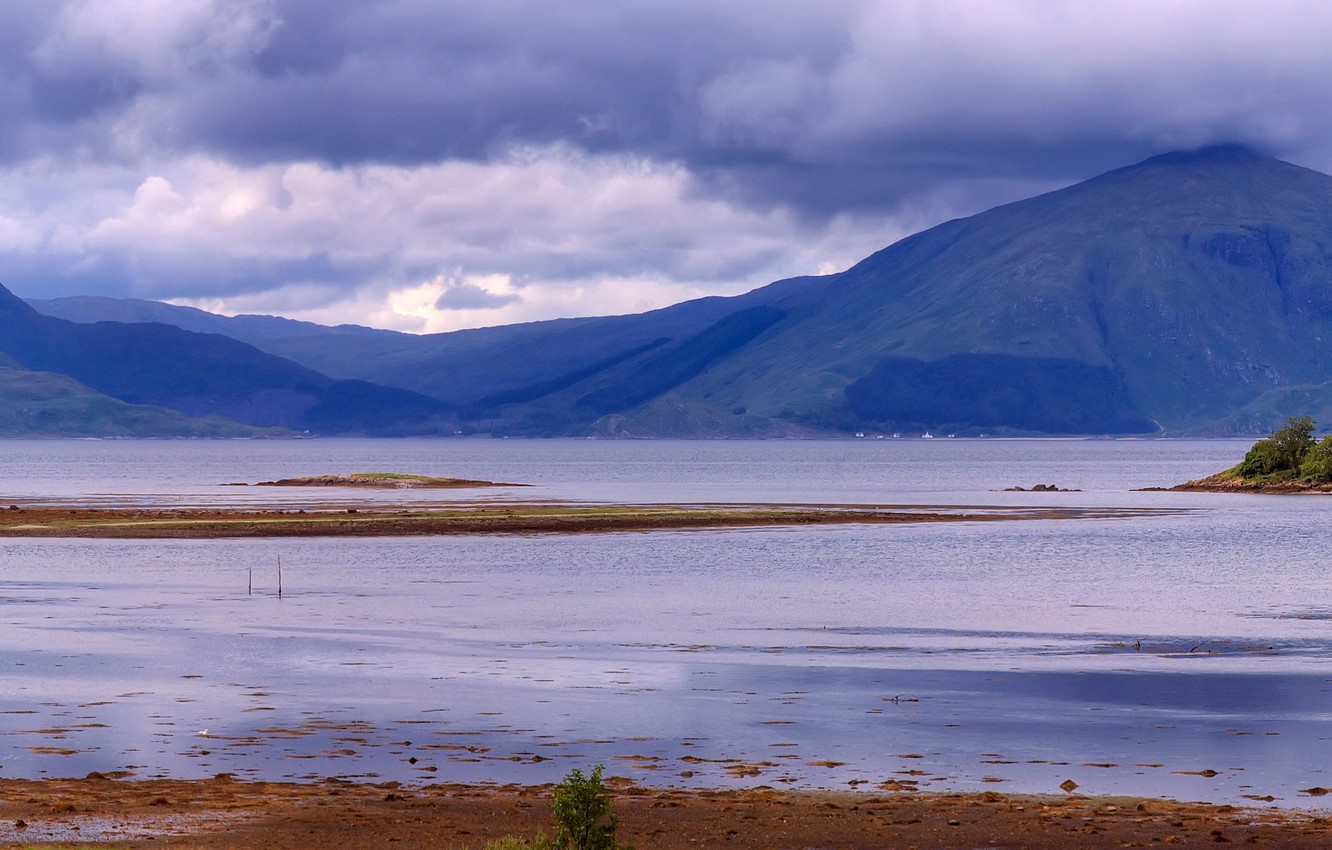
(383, 481)
(380, 520)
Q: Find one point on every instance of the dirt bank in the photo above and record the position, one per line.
(224, 813)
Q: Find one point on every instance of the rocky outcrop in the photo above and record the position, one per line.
(1228, 482)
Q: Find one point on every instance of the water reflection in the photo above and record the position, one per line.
(1181, 654)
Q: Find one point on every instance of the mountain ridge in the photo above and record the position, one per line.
(1190, 293)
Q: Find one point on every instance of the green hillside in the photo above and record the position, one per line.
(1186, 287)
(1200, 281)
(41, 404)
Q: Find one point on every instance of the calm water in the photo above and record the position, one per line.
(1133, 655)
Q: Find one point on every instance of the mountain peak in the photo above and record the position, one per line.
(1228, 152)
(12, 304)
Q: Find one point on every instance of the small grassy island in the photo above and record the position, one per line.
(383, 480)
(1289, 461)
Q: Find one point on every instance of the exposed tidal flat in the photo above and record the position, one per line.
(1179, 648)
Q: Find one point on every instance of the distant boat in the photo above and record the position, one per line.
(927, 436)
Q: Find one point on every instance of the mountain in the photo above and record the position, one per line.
(208, 375)
(1188, 294)
(472, 369)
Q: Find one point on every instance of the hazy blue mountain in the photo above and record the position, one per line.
(461, 367)
(209, 375)
(42, 404)
(512, 379)
(1190, 293)
(248, 328)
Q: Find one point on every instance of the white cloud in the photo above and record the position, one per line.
(17, 236)
(541, 233)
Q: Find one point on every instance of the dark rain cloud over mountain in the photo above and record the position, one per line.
(363, 159)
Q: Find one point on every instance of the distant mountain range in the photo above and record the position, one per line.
(1190, 294)
(219, 384)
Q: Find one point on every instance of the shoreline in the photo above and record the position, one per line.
(389, 520)
(225, 812)
(1215, 484)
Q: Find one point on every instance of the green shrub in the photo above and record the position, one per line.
(582, 814)
(580, 808)
(1317, 465)
(1263, 459)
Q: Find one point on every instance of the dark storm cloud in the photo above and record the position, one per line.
(827, 107)
(417, 81)
(467, 296)
(23, 27)
(852, 104)
(348, 81)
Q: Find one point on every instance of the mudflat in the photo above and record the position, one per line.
(224, 812)
(323, 520)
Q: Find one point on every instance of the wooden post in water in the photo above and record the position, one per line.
(249, 584)
(279, 576)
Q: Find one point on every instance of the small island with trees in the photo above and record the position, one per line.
(1288, 461)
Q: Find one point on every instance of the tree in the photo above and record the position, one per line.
(1292, 443)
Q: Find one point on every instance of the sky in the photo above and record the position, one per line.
(430, 165)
